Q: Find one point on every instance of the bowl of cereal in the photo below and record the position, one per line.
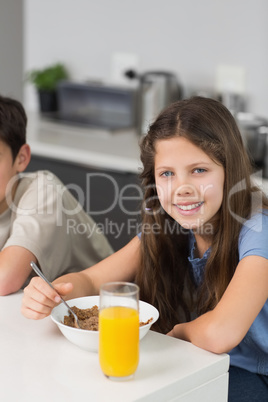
(87, 310)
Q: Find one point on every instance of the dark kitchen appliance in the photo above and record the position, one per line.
(254, 130)
(96, 105)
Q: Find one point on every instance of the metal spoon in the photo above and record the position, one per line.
(39, 273)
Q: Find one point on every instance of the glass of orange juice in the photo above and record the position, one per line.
(119, 329)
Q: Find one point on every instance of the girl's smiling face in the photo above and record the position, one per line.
(189, 183)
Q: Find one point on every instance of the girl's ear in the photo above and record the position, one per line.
(23, 158)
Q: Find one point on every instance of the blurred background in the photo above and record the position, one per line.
(210, 45)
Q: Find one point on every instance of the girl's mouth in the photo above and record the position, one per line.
(189, 207)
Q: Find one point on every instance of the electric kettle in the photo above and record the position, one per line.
(157, 90)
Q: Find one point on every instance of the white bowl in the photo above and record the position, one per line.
(89, 340)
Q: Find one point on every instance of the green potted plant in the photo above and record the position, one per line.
(46, 80)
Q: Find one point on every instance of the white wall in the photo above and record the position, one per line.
(11, 48)
(190, 37)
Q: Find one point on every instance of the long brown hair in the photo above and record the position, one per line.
(164, 278)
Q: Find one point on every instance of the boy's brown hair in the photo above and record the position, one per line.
(13, 122)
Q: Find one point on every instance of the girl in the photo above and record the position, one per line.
(202, 255)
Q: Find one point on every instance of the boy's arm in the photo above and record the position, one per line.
(14, 268)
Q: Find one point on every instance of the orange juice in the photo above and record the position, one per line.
(119, 341)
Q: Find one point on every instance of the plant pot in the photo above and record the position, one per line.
(47, 101)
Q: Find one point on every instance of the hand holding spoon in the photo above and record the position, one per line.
(39, 273)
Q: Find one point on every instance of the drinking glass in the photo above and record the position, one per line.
(119, 329)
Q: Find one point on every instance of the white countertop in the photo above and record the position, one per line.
(39, 364)
(97, 148)
(112, 150)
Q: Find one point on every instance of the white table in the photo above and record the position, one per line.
(38, 364)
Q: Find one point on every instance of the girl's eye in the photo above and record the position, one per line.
(199, 170)
(167, 173)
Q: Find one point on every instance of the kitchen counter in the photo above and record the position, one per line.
(39, 364)
(90, 147)
(96, 148)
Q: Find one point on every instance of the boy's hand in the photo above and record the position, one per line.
(39, 298)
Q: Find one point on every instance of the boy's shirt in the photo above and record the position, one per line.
(47, 220)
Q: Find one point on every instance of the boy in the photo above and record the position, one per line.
(40, 220)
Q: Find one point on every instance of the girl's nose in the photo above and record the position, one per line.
(184, 188)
